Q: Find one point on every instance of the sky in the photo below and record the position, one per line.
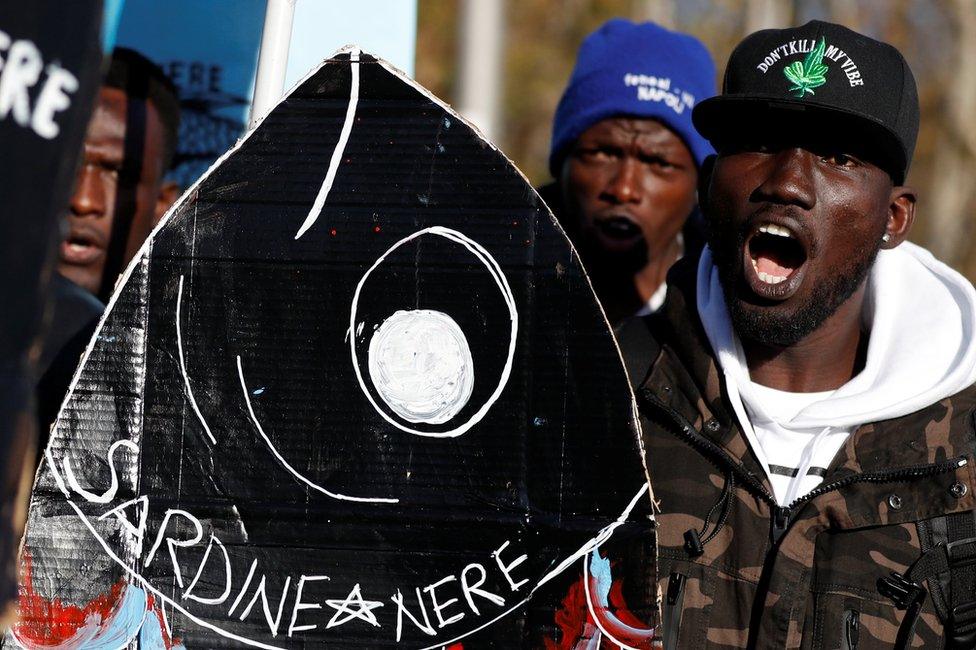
(385, 28)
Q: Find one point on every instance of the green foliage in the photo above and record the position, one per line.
(810, 74)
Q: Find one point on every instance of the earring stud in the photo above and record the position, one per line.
(886, 238)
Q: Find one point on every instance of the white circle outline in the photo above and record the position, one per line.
(496, 273)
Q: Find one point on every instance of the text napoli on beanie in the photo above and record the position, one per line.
(637, 70)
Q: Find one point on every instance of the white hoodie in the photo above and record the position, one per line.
(921, 316)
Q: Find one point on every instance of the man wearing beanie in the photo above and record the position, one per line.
(808, 418)
(625, 157)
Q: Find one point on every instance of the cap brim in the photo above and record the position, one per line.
(729, 117)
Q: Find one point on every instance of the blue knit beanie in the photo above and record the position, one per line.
(640, 70)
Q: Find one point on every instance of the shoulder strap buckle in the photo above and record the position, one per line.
(961, 628)
(901, 591)
(961, 552)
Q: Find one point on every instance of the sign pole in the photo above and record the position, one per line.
(273, 59)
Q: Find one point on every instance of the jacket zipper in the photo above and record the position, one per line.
(852, 625)
(908, 473)
(672, 610)
(695, 438)
(782, 516)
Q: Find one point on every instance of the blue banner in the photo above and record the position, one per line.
(210, 51)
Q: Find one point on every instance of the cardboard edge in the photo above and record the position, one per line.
(191, 191)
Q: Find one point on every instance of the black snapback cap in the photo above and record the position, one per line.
(819, 74)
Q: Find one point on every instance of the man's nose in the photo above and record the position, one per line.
(624, 185)
(790, 179)
(89, 195)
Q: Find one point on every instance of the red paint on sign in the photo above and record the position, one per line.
(51, 622)
(577, 627)
(157, 609)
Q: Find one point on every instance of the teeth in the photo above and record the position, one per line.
(779, 231)
(769, 279)
(766, 277)
(773, 229)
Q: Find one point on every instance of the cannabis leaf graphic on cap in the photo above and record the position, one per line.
(810, 74)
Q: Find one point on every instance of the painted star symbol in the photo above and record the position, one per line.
(364, 609)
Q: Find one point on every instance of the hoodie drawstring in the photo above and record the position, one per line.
(806, 461)
(694, 544)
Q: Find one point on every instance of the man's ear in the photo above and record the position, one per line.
(901, 216)
(705, 180)
(169, 191)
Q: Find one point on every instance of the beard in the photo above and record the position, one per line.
(772, 326)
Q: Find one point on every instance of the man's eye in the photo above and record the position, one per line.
(658, 161)
(840, 159)
(596, 154)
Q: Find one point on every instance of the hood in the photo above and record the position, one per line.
(921, 316)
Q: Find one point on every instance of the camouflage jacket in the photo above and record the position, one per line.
(803, 576)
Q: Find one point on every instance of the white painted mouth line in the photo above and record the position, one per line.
(340, 148)
(186, 378)
(286, 464)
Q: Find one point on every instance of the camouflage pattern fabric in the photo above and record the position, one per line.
(816, 585)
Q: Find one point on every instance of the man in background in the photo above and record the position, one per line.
(121, 191)
(120, 194)
(625, 157)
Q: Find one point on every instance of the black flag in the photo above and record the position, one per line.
(50, 56)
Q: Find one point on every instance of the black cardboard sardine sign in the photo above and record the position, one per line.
(50, 56)
(356, 391)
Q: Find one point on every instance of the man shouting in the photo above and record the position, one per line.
(809, 418)
(625, 157)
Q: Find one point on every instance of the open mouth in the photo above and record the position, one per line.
(619, 228)
(79, 248)
(774, 261)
